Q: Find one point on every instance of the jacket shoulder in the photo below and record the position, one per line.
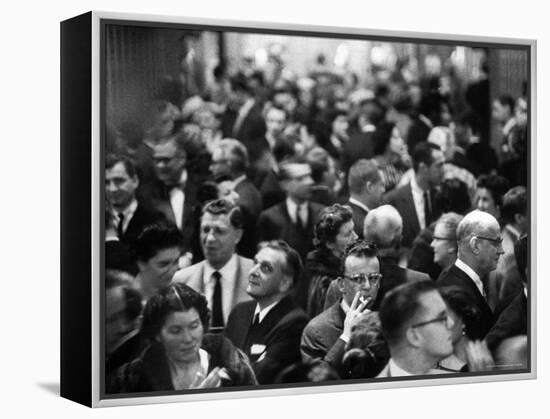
(184, 275)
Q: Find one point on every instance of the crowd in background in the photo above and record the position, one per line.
(274, 230)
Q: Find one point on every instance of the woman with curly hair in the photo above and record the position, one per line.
(333, 232)
(180, 355)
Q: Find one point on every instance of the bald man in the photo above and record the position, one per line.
(384, 227)
(479, 249)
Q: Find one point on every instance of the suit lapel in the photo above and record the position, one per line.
(410, 208)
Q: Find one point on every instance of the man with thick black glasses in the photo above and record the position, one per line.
(479, 249)
(417, 329)
(326, 335)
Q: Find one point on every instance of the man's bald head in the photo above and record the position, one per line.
(479, 241)
(383, 226)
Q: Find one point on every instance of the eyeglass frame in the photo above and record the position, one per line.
(365, 278)
(439, 319)
(497, 241)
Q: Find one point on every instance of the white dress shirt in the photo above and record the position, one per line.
(264, 312)
(128, 213)
(419, 204)
(228, 280)
(303, 211)
(177, 200)
(471, 274)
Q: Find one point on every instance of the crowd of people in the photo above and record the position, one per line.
(275, 230)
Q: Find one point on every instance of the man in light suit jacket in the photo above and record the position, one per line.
(479, 249)
(268, 329)
(223, 276)
(417, 329)
(415, 200)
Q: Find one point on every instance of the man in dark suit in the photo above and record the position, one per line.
(383, 227)
(366, 189)
(243, 118)
(230, 158)
(513, 319)
(174, 192)
(223, 276)
(360, 144)
(129, 216)
(293, 219)
(269, 328)
(479, 249)
(326, 335)
(417, 329)
(414, 201)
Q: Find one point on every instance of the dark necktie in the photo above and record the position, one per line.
(256, 321)
(299, 223)
(120, 227)
(217, 312)
(427, 208)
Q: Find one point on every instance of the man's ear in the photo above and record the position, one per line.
(340, 284)
(413, 337)
(141, 265)
(285, 284)
(519, 219)
(474, 246)
(135, 179)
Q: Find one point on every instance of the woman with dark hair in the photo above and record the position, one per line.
(466, 327)
(333, 232)
(179, 354)
(391, 154)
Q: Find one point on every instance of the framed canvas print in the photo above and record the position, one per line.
(276, 209)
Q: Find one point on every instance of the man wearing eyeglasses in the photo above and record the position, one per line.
(417, 329)
(326, 335)
(268, 329)
(479, 249)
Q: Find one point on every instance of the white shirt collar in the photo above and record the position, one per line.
(344, 306)
(513, 231)
(358, 203)
(264, 312)
(127, 212)
(471, 273)
(291, 208)
(238, 180)
(396, 371)
(508, 126)
(419, 204)
(228, 274)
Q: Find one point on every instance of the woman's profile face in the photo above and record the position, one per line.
(346, 235)
(181, 335)
(397, 145)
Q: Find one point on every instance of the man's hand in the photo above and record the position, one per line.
(356, 312)
(479, 357)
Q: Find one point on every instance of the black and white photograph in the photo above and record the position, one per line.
(292, 207)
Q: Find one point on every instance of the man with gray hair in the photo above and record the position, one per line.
(230, 158)
(384, 227)
(479, 249)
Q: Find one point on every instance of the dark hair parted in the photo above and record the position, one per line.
(225, 207)
(462, 304)
(496, 185)
(360, 249)
(112, 159)
(174, 298)
(156, 237)
(399, 306)
(330, 221)
(423, 153)
(514, 202)
(293, 263)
